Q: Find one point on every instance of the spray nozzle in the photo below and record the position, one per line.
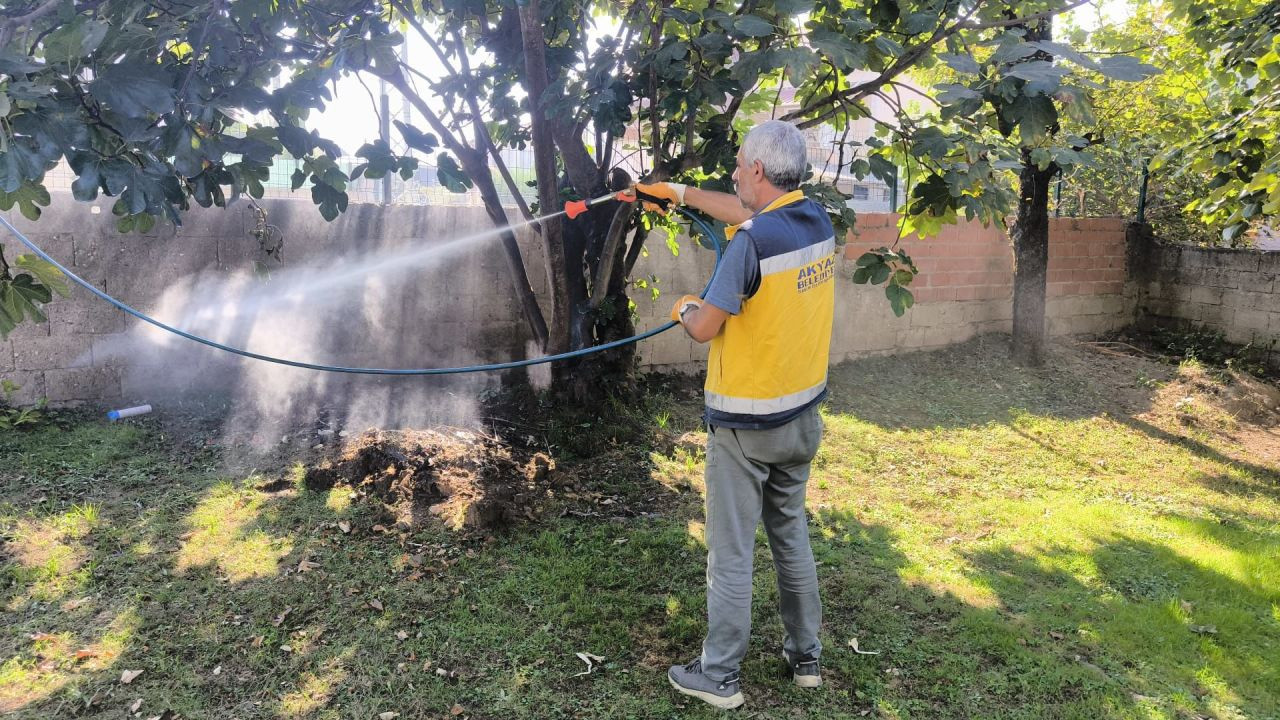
(577, 207)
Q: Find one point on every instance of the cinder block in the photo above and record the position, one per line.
(1216, 314)
(1206, 295)
(83, 313)
(1256, 282)
(670, 349)
(82, 384)
(30, 387)
(48, 353)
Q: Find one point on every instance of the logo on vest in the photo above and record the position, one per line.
(814, 274)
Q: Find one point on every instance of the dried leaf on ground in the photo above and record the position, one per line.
(1204, 629)
(280, 618)
(592, 661)
(306, 565)
(456, 709)
(853, 643)
(129, 676)
(388, 715)
(137, 704)
(344, 526)
(376, 604)
(401, 634)
(86, 653)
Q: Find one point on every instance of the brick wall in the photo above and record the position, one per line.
(964, 289)
(1234, 292)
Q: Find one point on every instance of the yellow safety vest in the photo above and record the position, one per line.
(769, 362)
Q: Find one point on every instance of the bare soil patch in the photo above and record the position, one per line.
(467, 479)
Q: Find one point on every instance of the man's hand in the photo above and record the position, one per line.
(684, 305)
(673, 192)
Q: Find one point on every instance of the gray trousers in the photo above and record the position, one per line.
(754, 474)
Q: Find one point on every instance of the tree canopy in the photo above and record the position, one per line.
(165, 104)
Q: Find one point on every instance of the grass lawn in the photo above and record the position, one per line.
(1096, 540)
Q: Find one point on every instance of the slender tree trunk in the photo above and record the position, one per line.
(1031, 238)
(1031, 262)
(544, 161)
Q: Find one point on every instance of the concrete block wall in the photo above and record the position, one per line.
(458, 308)
(1234, 292)
(452, 310)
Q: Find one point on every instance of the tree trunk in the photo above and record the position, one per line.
(544, 161)
(1031, 261)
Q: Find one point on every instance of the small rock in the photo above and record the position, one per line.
(318, 446)
(343, 433)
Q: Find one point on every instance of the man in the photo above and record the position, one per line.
(768, 317)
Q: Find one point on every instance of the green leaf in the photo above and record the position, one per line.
(450, 175)
(961, 63)
(416, 139)
(331, 200)
(880, 273)
(753, 26)
(900, 298)
(28, 197)
(1042, 76)
(794, 7)
(931, 142)
(133, 89)
(43, 271)
(1126, 68)
(862, 275)
(1065, 51)
(840, 50)
(1034, 116)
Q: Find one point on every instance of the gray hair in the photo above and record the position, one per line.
(780, 148)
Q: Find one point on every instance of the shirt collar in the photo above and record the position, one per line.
(785, 199)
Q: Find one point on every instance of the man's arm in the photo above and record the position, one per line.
(704, 322)
(724, 207)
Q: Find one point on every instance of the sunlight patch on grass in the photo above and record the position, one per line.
(315, 690)
(51, 555)
(338, 499)
(52, 661)
(697, 531)
(222, 535)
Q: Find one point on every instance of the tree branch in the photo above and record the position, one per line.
(904, 62)
(22, 21)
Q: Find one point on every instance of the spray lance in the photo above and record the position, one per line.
(576, 207)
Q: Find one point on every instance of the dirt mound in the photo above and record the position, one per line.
(1201, 396)
(468, 480)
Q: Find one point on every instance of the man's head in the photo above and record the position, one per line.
(771, 162)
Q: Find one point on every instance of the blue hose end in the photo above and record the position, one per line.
(113, 415)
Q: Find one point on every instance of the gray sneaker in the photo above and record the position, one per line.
(805, 671)
(689, 680)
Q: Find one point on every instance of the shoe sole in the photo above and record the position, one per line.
(804, 681)
(724, 703)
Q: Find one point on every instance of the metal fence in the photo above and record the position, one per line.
(424, 188)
